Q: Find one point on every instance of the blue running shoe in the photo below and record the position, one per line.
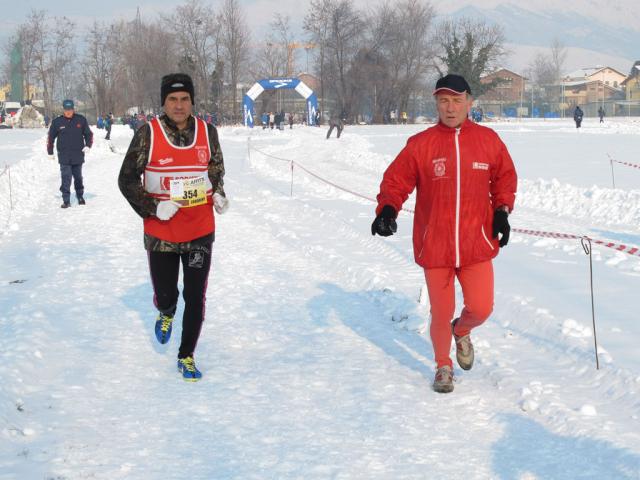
(187, 366)
(163, 328)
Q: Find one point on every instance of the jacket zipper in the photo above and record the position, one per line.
(457, 198)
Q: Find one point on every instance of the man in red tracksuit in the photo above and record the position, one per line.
(466, 184)
(172, 175)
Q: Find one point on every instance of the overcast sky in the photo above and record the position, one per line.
(258, 12)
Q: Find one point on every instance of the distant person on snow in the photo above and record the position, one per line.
(337, 123)
(180, 159)
(74, 140)
(601, 114)
(108, 123)
(466, 185)
(577, 116)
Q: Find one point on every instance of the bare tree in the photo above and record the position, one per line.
(316, 24)
(103, 72)
(541, 70)
(545, 73)
(194, 24)
(558, 57)
(470, 48)
(27, 36)
(147, 52)
(235, 41)
(346, 27)
(47, 50)
(410, 51)
(273, 59)
(372, 70)
(54, 50)
(281, 29)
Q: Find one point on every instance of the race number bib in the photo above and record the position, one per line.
(189, 192)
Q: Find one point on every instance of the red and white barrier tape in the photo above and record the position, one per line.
(626, 163)
(538, 233)
(623, 163)
(615, 246)
(324, 180)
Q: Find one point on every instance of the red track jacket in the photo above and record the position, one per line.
(462, 175)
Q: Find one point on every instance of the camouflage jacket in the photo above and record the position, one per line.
(132, 171)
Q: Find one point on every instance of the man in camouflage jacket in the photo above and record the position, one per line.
(177, 154)
(135, 161)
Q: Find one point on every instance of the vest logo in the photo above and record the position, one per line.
(480, 166)
(439, 167)
(164, 161)
(202, 156)
(78, 125)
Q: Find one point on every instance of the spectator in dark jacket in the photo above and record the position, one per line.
(74, 140)
(601, 114)
(577, 116)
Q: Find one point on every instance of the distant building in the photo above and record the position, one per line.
(592, 85)
(631, 84)
(507, 97)
(311, 81)
(607, 75)
(510, 88)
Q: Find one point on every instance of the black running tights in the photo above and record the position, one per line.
(165, 268)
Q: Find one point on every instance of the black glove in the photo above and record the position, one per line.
(385, 223)
(501, 225)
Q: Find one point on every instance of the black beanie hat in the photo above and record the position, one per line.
(176, 82)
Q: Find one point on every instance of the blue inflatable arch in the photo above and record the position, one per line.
(277, 84)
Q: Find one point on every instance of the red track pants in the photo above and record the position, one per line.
(477, 290)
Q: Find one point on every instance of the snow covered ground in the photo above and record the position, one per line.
(315, 365)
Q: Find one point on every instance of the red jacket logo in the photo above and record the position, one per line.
(439, 167)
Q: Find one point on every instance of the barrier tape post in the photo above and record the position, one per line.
(249, 151)
(10, 188)
(291, 192)
(586, 245)
(613, 180)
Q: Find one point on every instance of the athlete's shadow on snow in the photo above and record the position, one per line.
(527, 448)
(140, 300)
(359, 312)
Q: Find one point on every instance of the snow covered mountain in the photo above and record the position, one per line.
(595, 32)
(609, 12)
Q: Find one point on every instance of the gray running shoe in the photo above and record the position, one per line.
(443, 382)
(464, 349)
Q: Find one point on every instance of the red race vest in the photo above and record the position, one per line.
(168, 162)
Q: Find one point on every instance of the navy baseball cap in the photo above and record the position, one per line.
(67, 105)
(452, 83)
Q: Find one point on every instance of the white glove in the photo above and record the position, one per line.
(86, 150)
(166, 209)
(51, 157)
(220, 203)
